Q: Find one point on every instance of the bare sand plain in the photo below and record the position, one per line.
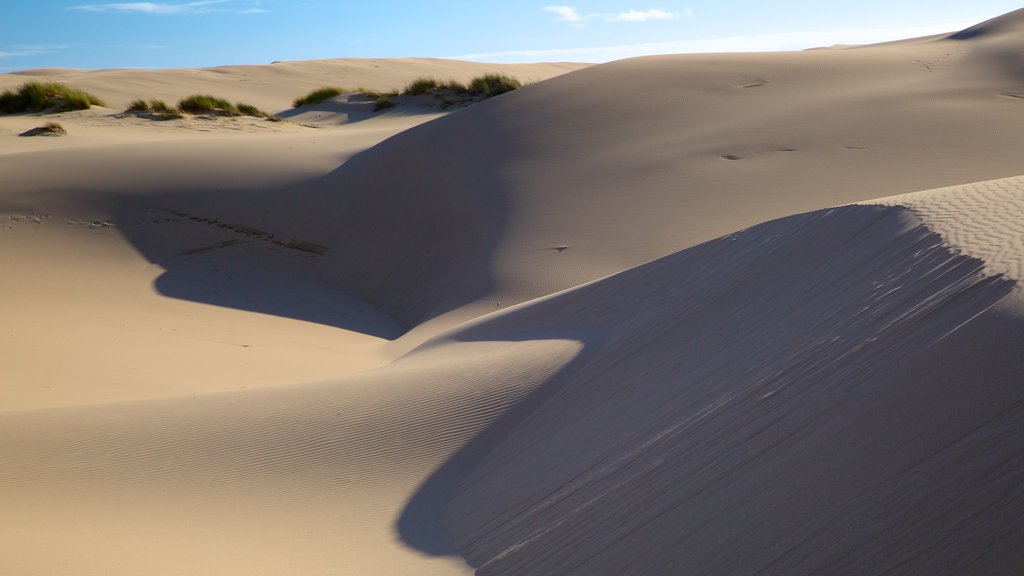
(710, 314)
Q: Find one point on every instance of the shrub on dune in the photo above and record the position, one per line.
(40, 96)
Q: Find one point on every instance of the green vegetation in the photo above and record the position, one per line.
(41, 96)
(449, 92)
(319, 95)
(480, 87)
(206, 104)
(491, 85)
(158, 107)
(382, 102)
(421, 86)
(249, 110)
(161, 107)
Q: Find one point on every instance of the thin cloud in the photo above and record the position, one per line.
(573, 16)
(203, 7)
(760, 43)
(644, 16)
(564, 13)
(23, 51)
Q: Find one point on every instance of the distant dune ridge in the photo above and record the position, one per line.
(709, 314)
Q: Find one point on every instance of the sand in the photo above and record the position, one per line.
(719, 314)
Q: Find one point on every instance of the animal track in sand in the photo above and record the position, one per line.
(256, 233)
(759, 152)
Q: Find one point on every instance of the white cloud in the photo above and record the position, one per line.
(760, 43)
(564, 13)
(203, 7)
(644, 15)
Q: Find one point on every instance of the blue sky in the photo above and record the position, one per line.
(181, 33)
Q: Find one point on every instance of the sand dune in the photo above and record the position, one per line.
(718, 314)
(609, 167)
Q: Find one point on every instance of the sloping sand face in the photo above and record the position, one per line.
(307, 479)
(745, 415)
(526, 338)
(615, 165)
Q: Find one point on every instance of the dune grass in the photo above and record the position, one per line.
(161, 107)
(319, 95)
(158, 107)
(53, 129)
(490, 85)
(483, 87)
(42, 96)
(421, 86)
(206, 104)
(382, 102)
(250, 110)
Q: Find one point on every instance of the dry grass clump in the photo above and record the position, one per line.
(42, 96)
(48, 129)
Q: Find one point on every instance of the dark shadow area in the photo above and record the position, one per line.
(356, 108)
(398, 234)
(681, 299)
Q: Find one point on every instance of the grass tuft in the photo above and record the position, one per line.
(481, 87)
(382, 102)
(421, 86)
(206, 104)
(53, 129)
(158, 107)
(250, 110)
(161, 107)
(490, 85)
(39, 96)
(319, 95)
